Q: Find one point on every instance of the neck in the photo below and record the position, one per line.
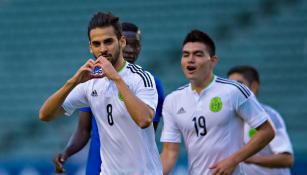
(120, 64)
(198, 86)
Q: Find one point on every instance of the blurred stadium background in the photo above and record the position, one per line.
(43, 42)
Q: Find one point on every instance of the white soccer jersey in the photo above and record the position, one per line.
(211, 122)
(125, 147)
(280, 144)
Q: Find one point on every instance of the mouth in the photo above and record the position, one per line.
(107, 56)
(191, 68)
(129, 57)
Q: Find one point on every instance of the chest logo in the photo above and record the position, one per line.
(181, 111)
(94, 93)
(216, 104)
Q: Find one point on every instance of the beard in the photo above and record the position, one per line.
(112, 58)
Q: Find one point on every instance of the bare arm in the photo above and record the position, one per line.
(140, 112)
(281, 160)
(52, 106)
(81, 136)
(77, 141)
(263, 136)
(169, 156)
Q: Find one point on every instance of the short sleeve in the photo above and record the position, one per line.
(281, 142)
(170, 131)
(75, 99)
(85, 109)
(146, 90)
(252, 112)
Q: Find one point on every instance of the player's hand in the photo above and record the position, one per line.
(224, 167)
(107, 68)
(59, 163)
(84, 73)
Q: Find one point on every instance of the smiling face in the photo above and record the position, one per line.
(104, 42)
(196, 62)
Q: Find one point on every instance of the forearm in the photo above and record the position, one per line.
(283, 160)
(138, 110)
(52, 106)
(168, 163)
(78, 140)
(169, 156)
(263, 136)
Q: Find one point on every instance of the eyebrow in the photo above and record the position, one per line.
(194, 52)
(108, 40)
(103, 41)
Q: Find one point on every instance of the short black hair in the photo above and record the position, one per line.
(199, 36)
(248, 72)
(129, 27)
(101, 19)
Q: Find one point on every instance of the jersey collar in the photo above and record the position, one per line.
(205, 89)
(123, 68)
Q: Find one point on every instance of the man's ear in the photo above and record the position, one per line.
(255, 87)
(122, 42)
(90, 48)
(214, 60)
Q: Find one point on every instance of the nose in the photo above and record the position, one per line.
(129, 49)
(191, 59)
(103, 50)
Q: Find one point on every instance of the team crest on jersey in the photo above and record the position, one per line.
(216, 104)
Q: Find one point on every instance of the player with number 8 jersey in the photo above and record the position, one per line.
(123, 140)
(123, 100)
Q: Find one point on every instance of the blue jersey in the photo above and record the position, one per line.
(160, 100)
(94, 160)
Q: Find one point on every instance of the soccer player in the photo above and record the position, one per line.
(277, 157)
(209, 113)
(122, 97)
(132, 50)
(87, 122)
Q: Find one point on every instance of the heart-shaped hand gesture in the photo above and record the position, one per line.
(95, 69)
(85, 72)
(107, 68)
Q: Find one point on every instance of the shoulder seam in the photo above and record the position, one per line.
(143, 74)
(182, 87)
(242, 88)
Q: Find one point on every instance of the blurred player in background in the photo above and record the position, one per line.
(209, 113)
(123, 99)
(87, 127)
(277, 157)
(132, 50)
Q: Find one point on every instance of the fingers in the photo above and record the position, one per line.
(101, 61)
(89, 64)
(59, 161)
(212, 166)
(219, 171)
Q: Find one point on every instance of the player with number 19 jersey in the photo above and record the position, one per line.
(211, 122)
(126, 148)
